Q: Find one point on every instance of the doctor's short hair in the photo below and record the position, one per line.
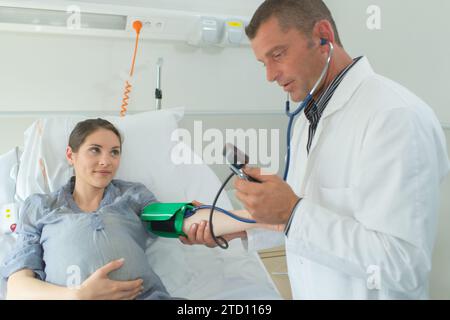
(300, 14)
(84, 128)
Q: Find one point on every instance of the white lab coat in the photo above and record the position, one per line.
(366, 225)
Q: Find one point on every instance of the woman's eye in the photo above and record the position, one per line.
(95, 150)
(115, 153)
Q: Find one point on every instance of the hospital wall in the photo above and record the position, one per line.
(407, 47)
(403, 41)
(225, 88)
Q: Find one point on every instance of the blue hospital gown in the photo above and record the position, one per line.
(64, 245)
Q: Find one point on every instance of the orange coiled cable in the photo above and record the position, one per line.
(137, 25)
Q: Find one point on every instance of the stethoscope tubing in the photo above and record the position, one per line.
(303, 104)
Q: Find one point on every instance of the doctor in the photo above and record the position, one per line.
(361, 199)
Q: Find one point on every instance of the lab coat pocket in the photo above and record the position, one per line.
(338, 200)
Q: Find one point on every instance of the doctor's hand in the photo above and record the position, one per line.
(99, 287)
(270, 201)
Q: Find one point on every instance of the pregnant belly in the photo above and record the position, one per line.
(71, 259)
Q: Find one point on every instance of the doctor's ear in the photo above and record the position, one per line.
(323, 30)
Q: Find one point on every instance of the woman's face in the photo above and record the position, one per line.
(97, 159)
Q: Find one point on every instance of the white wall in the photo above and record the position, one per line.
(57, 73)
(411, 47)
(67, 73)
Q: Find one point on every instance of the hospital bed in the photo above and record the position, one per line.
(193, 272)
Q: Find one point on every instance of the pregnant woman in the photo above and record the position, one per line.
(86, 240)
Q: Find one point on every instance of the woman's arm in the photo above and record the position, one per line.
(23, 285)
(224, 224)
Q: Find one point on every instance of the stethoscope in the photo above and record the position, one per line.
(303, 104)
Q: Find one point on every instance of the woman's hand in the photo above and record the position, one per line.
(99, 287)
(197, 203)
(201, 234)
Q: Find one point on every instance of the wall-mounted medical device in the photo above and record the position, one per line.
(234, 32)
(90, 19)
(213, 31)
(207, 31)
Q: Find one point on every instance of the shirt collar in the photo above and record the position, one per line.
(314, 110)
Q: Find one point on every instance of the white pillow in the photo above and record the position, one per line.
(8, 172)
(43, 167)
(147, 149)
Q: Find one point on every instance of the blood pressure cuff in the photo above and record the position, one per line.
(166, 219)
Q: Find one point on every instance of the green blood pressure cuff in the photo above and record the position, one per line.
(166, 219)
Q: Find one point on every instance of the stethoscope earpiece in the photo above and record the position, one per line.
(323, 41)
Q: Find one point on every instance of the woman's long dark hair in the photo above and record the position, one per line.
(84, 128)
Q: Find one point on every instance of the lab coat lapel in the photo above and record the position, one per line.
(300, 166)
(352, 80)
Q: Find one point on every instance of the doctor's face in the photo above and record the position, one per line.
(291, 59)
(97, 159)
